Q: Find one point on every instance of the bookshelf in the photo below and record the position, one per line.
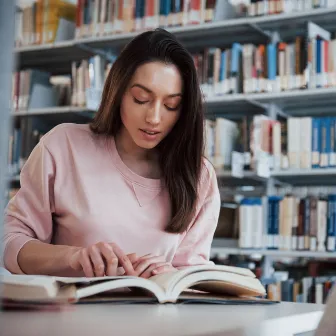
(231, 30)
(51, 110)
(217, 248)
(306, 177)
(292, 103)
(57, 58)
(319, 101)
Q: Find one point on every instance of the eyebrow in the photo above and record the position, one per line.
(150, 91)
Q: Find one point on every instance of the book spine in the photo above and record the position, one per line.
(165, 6)
(316, 142)
(245, 224)
(139, 14)
(331, 233)
(300, 230)
(313, 224)
(306, 225)
(325, 130)
(332, 154)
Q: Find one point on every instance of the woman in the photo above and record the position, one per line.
(129, 193)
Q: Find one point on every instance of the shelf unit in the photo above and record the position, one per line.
(291, 103)
(217, 248)
(57, 58)
(52, 110)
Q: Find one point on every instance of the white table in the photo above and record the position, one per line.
(285, 319)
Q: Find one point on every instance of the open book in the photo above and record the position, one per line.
(206, 283)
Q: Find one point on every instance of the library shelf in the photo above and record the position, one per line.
(297, 21)
(56, 56)
(318, 176)
(58, 114)
(230, 30)
(52, 110)
(53, 57)
(218, 248)
(250, 178)
(321, 101)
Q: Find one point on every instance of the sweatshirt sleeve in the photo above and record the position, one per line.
(28, 215)
(195, 247)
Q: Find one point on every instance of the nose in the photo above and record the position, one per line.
(153, 115)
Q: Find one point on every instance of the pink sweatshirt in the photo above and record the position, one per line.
(76, 190)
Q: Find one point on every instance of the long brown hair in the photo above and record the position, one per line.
(181, 151)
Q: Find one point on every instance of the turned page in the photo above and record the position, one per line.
(168, 280)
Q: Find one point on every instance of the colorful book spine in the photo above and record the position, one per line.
(331, 223)
(316, 142)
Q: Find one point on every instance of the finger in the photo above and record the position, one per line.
(85, 262)
(123, 259)
(149, 271)
(164, 269)
(142, 259)
(143, 265)
(97, 261)
(111, 260)
(132, 257)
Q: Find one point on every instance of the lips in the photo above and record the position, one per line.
(150, 132)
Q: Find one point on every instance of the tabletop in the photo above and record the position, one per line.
(285, 319)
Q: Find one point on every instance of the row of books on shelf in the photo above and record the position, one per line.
(24, 137)
(110, 17)
(268, 7)
(274, 67)
(44, 21)
(306, 62)
(305, 281)
(303, 62)
(294, 143)
(106, 17)
(33, 88)
(288, 223)
(305, 290)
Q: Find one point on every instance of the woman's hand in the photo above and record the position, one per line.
(150, 265)
(102, 259)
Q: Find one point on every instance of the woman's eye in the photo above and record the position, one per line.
(139, 101)
(172, 108)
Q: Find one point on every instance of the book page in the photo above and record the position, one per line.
(168, 280)
(85, 280)
(118, 283)
(219, 283)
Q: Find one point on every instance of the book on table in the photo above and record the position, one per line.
(195, 284)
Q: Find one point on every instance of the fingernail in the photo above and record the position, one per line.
(155, 272)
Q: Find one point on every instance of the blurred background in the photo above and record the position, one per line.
(267, 69)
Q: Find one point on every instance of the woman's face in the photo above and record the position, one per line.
(151, 104)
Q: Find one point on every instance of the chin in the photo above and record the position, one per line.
(147, 144)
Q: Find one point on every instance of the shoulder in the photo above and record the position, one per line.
(208, 186)
(65, 131)
(208, 173)
(66, 135)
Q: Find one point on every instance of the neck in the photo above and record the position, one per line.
(128, 148)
